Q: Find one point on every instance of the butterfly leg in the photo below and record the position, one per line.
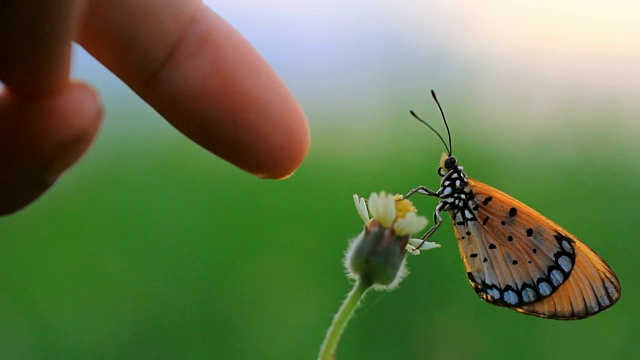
(437, 220)
(436, 225)
(421, 190)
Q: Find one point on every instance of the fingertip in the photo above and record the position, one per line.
(40, 138)
(286, 150)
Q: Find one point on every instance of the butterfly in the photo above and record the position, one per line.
(514, 256)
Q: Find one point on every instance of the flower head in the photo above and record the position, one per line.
(377, 254)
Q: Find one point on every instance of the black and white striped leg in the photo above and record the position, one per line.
(436, 224)
(421, 190)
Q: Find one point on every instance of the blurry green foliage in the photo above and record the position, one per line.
(162, 251)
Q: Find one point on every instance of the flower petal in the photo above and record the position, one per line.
(412, 250)
(382, 208)
(361, 207)
(410, 224)
(420, 244)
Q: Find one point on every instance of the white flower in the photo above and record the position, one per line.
(393, 211)
(377, 255)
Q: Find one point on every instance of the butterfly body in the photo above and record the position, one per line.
(514, 256)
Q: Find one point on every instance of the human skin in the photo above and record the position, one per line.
(190, 65)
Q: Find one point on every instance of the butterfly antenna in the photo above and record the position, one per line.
(433, 93)
(432, 129)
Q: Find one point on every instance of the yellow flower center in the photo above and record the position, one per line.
(403, 207)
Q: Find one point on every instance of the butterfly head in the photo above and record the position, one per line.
(447, 163)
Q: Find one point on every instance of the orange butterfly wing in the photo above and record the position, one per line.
(517, 258)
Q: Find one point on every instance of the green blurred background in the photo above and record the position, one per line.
(152, 248)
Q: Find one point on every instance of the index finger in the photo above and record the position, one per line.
(202, 76)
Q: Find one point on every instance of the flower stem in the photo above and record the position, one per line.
(340, 320)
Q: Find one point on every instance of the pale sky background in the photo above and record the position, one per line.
(520, 59)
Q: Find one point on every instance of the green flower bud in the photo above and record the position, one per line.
(377, 255)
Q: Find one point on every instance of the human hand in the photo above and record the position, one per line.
(190, 65)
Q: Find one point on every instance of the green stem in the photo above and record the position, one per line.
(340, 320)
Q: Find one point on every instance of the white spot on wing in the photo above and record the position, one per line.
(567, 247)
(556, 277)
(544, 288)
(565, 263)
(528, 295)
(510, 297)
(494, 293)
